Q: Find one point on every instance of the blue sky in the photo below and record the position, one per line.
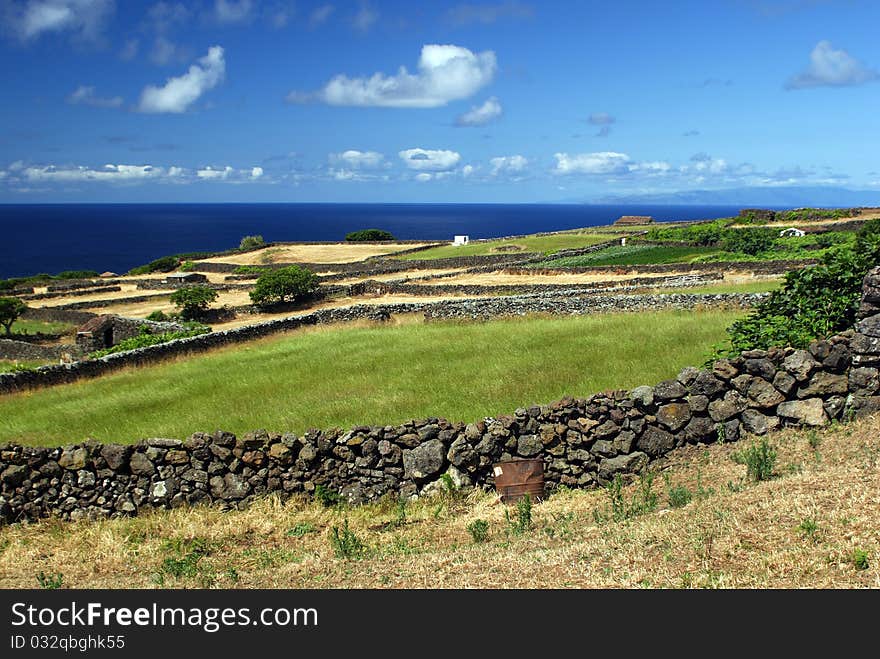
(497, 101)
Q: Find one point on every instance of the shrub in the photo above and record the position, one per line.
(703, 234)
(326, 497)
(813, 302)
(77, 274)
(479, 530)
(752, 241)
(251, 242)
(193, 300)
(50, 581)
(158, 316)
(249, 270)
(859, 559)
(523, 521)
(368, 235)
(187, 266)
(10, 309)
(147, 338)
(287, 284)
(759, 459)
(678, 495)
(345, 542)
(163, 264)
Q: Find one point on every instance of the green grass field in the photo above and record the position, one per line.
(11, 365)
(22, 326)
(631, 255)
(538, 244)
(369, 375)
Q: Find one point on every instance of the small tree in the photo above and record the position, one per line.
(251, 242)
(283, 285)
(369, 234)
(10, 309)
(193, 300)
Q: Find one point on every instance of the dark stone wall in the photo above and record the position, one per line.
(582, 442)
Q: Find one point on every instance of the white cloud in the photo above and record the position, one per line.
(445, 73)
(655, 168)
(320, 15)
(166, 15)
(832, 68)
(130, 174)
(480, 115)
(84, 18)
(164, 51)
(232, 11)
(424, 177)
(467, 14)
(601, 119)
(429, 160)
(108, 173)
(603, 162)
(467, 170)
(365, 18)
(84, 95)
(504, 164)
(209, 173)
(180, 93)
(359, 159)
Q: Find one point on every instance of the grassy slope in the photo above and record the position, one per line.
(369, 375)
(800, 530)
(22, 326)
(542, 244)
(631, 255)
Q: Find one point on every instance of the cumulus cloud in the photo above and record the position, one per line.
(320, 15)
(427, 160)
(209, 173)
(129, 174)
(358, 159)
(84, 95)
(480, 115)
(232, 11)
(83, 18)
(179, 93)
(365, 18)
(445, 73)
(603, 162)
(108, 173)
(832, 68)
(468, 14)
(508, 164)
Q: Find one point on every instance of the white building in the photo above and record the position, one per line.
(460, 240)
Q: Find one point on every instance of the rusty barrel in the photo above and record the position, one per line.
(516, 478)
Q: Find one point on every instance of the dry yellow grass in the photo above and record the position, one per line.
(503, 278)
(799, 530)
(406, 275)
(332, 253)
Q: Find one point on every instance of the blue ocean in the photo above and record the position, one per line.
(54, 237)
